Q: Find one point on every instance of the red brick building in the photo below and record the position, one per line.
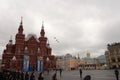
(28, 52)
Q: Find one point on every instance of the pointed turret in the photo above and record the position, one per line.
(20, 39)
(10, 41)
(20, 29)
(48, 45)
(43, 40)
(9, 45)
(42, 30)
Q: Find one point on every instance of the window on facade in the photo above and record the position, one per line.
(18, 50)
(113, 60)
(118, 59)
(38, 50)
(115, 52)
(119, 51)
(31, 51)
(26, 48)
(43, 52)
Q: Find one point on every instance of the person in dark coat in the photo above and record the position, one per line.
(116, 74)
(26, 76)
(11, 77)
(14, 75)
(22, 76)
(1, 76)
(32, 76)
(54, 76)
(40, 76)
(87, 77)
(48, 71)
(19, 76)
(60, 72)
(7, 75)
(80, 71)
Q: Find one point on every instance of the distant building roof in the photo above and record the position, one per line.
(88, 60)
(102, 59)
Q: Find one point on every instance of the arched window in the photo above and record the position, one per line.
(115, 52)
(38, 50)
(19, 51)
(43, 52)
(26, 48)
(119, 51)
(32, 51)
(118, 59)
(113, 60)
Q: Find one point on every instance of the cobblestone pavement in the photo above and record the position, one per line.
(74, 75)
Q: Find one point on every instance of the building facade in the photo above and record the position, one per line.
(113, 55)
(67, 62)
(88, 63)
(28, 53)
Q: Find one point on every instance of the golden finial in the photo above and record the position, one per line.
(88, 54)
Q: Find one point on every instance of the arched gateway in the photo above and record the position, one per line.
(30, 53)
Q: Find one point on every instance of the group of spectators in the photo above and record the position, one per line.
(20, 75)
(13, 75)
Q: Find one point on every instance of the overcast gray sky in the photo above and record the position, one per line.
(78, 25)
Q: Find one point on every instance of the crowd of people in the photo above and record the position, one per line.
(24, 75)
(19, 75)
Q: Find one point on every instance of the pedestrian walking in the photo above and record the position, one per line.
(22, 75)
(87, 77)
(54, 76)
(26, 76)
(10, 77)
(41, 76)
(47, 71)
(32, 76)
(60, 72)
(116, 73)
(1, 76)
(19, 76)
(80, 71)
(14, 75)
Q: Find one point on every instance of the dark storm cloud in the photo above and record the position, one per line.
(79, 25)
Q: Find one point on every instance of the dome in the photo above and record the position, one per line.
(88, 54)
(30, 35)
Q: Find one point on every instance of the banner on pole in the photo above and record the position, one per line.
(40, 64)
(26, 63)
